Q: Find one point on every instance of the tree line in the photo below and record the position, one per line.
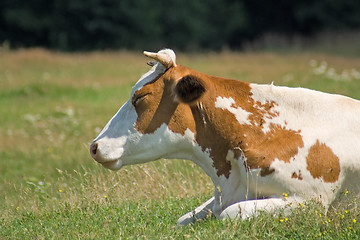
(78, 25)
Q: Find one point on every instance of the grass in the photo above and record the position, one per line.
(51, 107)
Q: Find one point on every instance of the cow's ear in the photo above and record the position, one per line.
(189, 89)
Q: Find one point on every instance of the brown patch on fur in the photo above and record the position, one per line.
(323, 163)
(298, 176)
(266, 171)
(279, 143)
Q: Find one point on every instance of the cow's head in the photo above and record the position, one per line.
(156, 121)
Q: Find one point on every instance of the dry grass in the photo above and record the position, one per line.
(23, 67)
(264, 67)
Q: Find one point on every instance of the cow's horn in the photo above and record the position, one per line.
(150, 54)
(164, 57)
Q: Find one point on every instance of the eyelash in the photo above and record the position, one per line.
(137, 99)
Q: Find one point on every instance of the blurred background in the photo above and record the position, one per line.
(186, 25)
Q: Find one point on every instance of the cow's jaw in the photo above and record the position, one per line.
(135, 148)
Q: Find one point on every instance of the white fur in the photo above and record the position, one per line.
(227, 103)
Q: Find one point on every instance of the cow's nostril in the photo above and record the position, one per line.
(93, 149)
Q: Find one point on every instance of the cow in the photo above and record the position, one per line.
(265, 147)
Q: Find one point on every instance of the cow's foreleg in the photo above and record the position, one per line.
(250, 208)
(197, 214)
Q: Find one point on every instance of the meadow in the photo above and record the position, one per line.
(52, 105)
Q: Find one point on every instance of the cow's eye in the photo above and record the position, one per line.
(151, 64)
(137, 99)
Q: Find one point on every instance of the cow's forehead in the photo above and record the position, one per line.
(157, 70)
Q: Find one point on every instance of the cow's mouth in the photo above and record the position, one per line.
(112, 165)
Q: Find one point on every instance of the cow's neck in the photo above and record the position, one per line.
(215, 127)
(234, 128)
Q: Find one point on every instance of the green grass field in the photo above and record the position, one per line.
(52, 105)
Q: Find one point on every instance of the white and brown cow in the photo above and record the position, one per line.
(256, 142)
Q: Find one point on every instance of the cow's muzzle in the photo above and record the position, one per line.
(113, 164)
